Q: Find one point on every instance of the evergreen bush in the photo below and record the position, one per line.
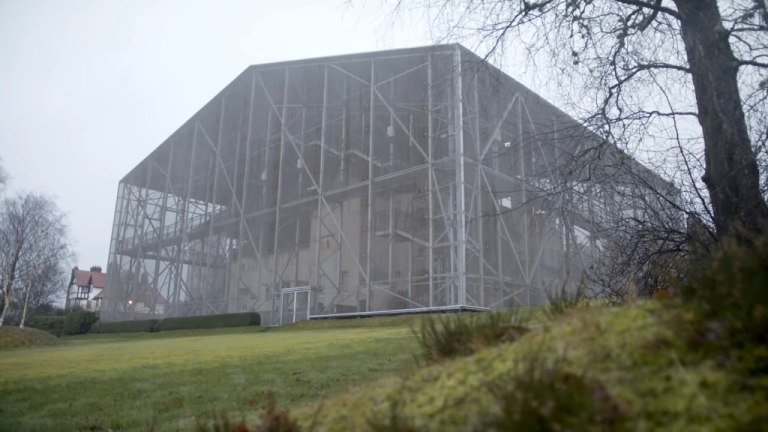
(137, 326)
(53, 324)
(209, 321)
(179, 323)
(79, 322)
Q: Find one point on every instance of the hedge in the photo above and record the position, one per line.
(137, 326)
(179, 323)
(79, 322)
(53, 324)
(209, 321)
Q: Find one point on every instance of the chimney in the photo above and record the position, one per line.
(96, 269)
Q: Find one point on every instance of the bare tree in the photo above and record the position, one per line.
(33, 242)
(42, 284)
(646, 69)
(49, 287)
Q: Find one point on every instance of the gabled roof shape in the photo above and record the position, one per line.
(84, 278)
(413, 179)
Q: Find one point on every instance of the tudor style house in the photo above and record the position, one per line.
(85, 288)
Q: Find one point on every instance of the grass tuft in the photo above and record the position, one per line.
(391, 421)
(271, 420)
(547, 398)
(560, 301)
(447, 336)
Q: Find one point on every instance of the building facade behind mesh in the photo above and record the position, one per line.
(400, 180)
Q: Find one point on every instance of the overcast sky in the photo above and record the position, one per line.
(89, 88)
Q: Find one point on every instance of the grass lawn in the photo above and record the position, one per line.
(634, 367)
(167, 380)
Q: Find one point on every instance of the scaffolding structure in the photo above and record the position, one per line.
(402, 180)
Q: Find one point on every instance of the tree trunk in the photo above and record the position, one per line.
(26, 302)
(5, 308)
(7, 299)
(69, 293)
(8, 286)
(731, 175)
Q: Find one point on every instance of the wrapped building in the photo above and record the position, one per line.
(405, 180)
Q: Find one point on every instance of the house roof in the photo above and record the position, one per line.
(85, 278)
(146, 298)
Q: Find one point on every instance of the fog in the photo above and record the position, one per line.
(88, 88)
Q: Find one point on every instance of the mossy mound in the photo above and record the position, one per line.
(635, 365)
(12, 337)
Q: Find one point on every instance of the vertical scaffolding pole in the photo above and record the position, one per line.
(478, 185)
(146, 224)
(299, 182)
(295, 297)
(244, 197)
(429, 180)
(184, 221)
(461, 231)
(345, 179)
(210, 251)
(527, 277)
(370, 188)
(263, 178)
(339, 248)
(161, 235)
(283, 126)
(391, 238)
(320, 184)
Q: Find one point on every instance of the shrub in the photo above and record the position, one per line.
(546, 398)
(271, 420)
(79, 322)
(447, 336)
(393, 420)
(137, 326)
(53, 324)
(562, 300)
(274, 420)
(727, 291)
(209, 321)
